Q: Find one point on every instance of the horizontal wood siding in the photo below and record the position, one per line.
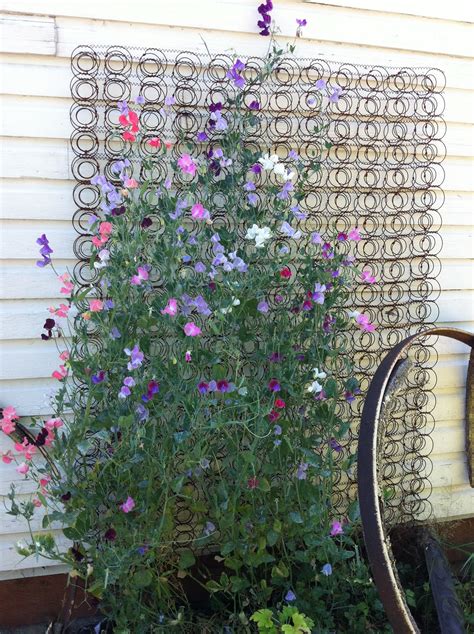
(36, 186)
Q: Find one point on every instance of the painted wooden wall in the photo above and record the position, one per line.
(36, 40)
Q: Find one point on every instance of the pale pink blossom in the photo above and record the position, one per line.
(364, 323)
(8, 426)
(128, 505)
(131, 183)
(64, 356)
(67, 284)
(191, 330)
(53, 423)
(96, 305)
(36, 502)
(171, 308)
(23, 468)
(61, 311)
(142, 276)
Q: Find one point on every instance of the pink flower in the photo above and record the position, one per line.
(23, 468)
(198, 212)
(36, 502)
(142, 276)
(96, 305)
(67, 284)
(45, 481)
(168, 145)
(105, 228)
(280, 403)
(61, 311)
(60, 374)
(53, 423)
(336, 528)
(171, 308)
(8, 420)
(367, 277)
(10, 412)
(187, 165)
(191, 330)
(7, 457)
(128, 505)
(131, 183)
(285, 273)
(128, 136)
(8, 426)
(154, 142)
(187, 356)
(364, 323)
(354, 235)
(64, 356)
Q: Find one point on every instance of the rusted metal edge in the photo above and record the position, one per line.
(375, 535)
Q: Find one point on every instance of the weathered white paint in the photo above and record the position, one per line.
(36, 187)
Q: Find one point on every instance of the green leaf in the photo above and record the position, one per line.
(272, 537)
(142, 578)
(296, 518)
(213, 586)
(280, 570)
(186, 559)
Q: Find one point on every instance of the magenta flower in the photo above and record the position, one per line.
(354, 234)
(171, 308)
(99, 377)
(336, 528)
(187, 165)
(142, 276)
(128, 505)
(199, 213)
(367, 277)
(191, 330)
(364, 323)
(153, 388)
(188, 357)
(203, 387)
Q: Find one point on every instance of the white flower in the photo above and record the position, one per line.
(314, 387)
(259, 234)
(319, 375)
(268, 162)
(104, 257)
(353, 314)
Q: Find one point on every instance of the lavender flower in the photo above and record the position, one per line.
(45, 251)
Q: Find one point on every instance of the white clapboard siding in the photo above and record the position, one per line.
(36, 185)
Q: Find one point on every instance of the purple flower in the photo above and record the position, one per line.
(335, 445)
(115, 333)
(256, 168)
(123, 107)
(252, 199)
(170, 101)
(153, 388)
(277, 430)
(264, 24)
(201, 137)
(318, 294)
(262, 307)
(320, 84)
(118, 211)
(199, 267)
(186, 259)
(290, 596)
(209, 528)
(249, 186)
(142, 413)
(140, 100)
(285, 191)
(327, 570)
(233, 73)
(334, 97)
(316, 238)
(301, 472)
(254, 105)
(203, 387)
(45, 251)
(136, 357)
(328, 323)
(142, 550)
(146, 222)
(301, 22)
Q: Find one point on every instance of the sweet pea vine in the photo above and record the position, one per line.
(199, 400)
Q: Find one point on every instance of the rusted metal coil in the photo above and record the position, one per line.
(375, 534)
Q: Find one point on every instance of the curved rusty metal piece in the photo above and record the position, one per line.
(375, 536)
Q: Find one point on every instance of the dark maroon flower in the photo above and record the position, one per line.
(274, 386)
(41, 437)
(153, 388)
(203, 387)
(214, 107)
(78, 556)
(66, 496)
(328, 323)
(49, 324)
(275, 357)
(118, 211)
(212, 286)
(342, 237)
(223, 385)
(99, 377)
(273, 416)
(146, 222)
(110, 534)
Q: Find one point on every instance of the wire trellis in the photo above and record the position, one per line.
(381, 155)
